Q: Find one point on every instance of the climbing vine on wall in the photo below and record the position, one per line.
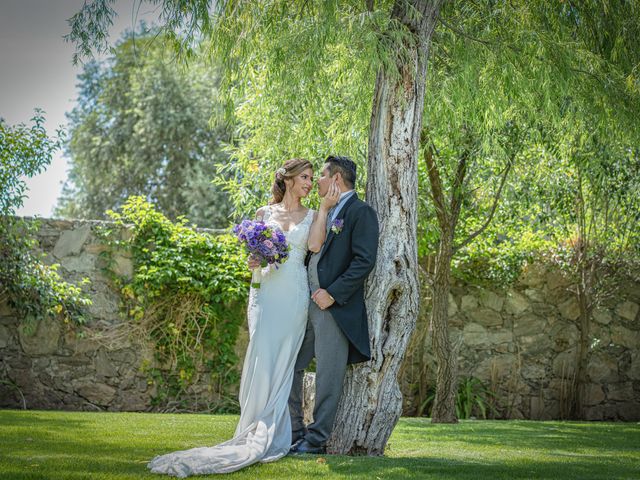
(186, 295)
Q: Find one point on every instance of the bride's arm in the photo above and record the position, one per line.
(318, 230)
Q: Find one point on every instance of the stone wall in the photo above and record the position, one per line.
(521, 343)
(54, 366)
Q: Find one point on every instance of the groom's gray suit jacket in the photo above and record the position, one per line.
(344, 263)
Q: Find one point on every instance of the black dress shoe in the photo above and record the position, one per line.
(295, 444)
(303, 447)
(297, 436)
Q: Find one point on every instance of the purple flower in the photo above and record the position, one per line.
(268, 244)
(336, 225)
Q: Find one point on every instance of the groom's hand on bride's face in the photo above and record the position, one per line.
(322, 298)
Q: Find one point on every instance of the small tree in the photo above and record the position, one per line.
(30, 286)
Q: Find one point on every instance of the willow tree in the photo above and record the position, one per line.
(266, 44)
(504, 75)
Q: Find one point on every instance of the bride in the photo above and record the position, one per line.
(277, 318)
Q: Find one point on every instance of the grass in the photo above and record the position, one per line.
(110, 446)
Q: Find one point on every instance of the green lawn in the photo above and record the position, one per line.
(79, 445)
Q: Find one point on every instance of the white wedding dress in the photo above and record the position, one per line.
(277, 317)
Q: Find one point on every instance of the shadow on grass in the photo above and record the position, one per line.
(444, 468)
(620, 437)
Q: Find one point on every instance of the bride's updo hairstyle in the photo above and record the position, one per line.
(290, 169)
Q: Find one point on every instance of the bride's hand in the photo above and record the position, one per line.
(253, 262)
(331, 198)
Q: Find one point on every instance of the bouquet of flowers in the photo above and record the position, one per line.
(267, 244)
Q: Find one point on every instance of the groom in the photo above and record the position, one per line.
(337, 332)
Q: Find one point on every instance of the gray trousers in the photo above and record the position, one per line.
(325, 341)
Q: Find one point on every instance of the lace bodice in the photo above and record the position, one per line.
(297, 237)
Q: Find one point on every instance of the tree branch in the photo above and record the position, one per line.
(456, 194)
(436, 188)
(496, 199)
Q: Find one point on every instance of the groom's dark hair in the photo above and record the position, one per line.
(345, 166)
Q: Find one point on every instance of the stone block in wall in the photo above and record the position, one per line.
(533, 371)
(123, 266)
(96, 248)
(43, 340)
(625, 337)
(71, 241)
(564, 364)
(474, 334)
(634, 369)
(96, 393)
(468, 302)
(557, 279)
(594, 413)
(570, 309)
(78, 344)
(132, 401)
(628, 310)
(83, 263)
(594, 394)
(491, 300)
(600, 335)
(535, 295)
(125, 356)
(534, 344)
(516, 303)
(502, 366)
(103, 365)
(528, 324)
(500, 336)
(533, 275)
(485, 316)
(620, 392)
(563, 335)
(628, 411)
(602, 316)
(104, 305)
(602, 368)
(5, 336)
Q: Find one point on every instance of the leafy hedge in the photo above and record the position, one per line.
(187, 295)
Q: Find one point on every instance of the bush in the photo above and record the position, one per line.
(187, 295)
(30, 286)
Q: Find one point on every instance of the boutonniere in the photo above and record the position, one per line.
(336, 225)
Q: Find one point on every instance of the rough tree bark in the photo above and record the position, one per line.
(446, 371)
(582, 355)
(371, 402)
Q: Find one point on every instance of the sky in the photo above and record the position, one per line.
(36, 71)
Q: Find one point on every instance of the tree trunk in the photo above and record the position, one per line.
(446, 375)
(585, 282)
(371, 403)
